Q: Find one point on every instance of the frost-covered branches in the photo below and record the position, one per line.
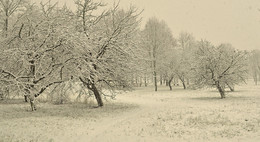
(109, 49)
(254, 64)
(32, 61)
(220, 66)
(7, 9)
(158, 39)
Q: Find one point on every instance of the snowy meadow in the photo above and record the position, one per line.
(99, 72)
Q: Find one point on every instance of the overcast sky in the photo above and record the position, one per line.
(219, 21)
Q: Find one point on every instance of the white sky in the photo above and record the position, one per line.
(219, 21)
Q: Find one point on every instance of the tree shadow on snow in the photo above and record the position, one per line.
(214, 98)
(73, 110)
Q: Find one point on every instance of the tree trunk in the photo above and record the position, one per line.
(184, 85)
(94, 89)
(97, 95)
(32, 98)
(155, 81)
(170, 83)
(170, 87)
(25, 98)
(221, 90)
(154, 68)
(183, 82)
(1, 96)
(145, 81)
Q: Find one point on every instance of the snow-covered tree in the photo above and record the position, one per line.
(254, 64)
(50, 45)
(158, 38)
(186, 50)
(110, 49)
(219, 66)
(34, 54)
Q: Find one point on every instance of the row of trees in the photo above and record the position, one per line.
(46, 46)
(43, 46)
(195, 63)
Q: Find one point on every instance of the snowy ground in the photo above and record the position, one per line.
(140, 116)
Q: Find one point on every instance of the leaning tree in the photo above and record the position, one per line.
(108, 47)
(219, 66)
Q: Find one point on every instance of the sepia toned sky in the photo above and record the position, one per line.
(219, 21)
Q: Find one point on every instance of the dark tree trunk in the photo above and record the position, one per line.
(97, 95)
(1, 96)
(170, 87)
(184, 85)
(154, 69)
(155, 81)
(183, 82)
(221, 90)
(170, 83)
(25, 98)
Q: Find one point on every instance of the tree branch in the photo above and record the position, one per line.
(45, 87)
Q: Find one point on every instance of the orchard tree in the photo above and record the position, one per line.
(171, 65)
(254, 64)
(35, 53)
(218, 66)
(157, 36)
(108, 48)
(143, 68)
(50, 45)
(186, 43)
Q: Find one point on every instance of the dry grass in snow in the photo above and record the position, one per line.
(141, 115)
